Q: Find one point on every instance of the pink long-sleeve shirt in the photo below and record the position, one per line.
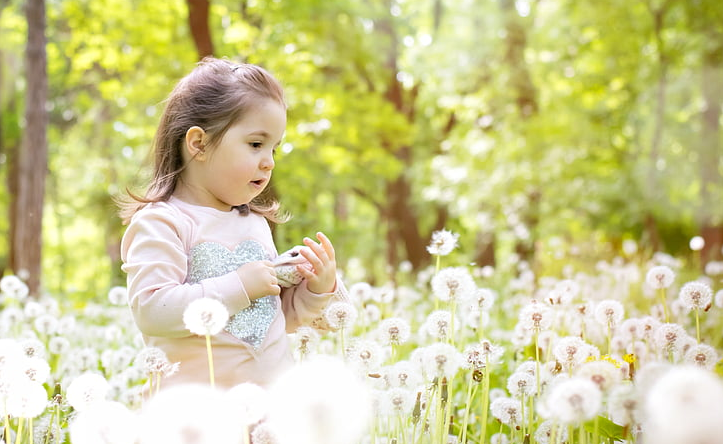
(174, 253)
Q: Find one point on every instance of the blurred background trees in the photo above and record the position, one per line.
(538, 130)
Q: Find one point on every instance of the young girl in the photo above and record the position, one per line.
(201, 231)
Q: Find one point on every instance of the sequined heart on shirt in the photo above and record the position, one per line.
(210, 259)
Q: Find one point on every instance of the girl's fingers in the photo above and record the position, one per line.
(326, 244)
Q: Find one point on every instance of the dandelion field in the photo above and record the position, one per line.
(627, 350)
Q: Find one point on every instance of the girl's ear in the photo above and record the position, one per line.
(195, 143)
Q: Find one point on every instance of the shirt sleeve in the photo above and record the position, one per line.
(156, 262)
(303, 307)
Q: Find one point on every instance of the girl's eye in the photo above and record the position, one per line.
(256, 144)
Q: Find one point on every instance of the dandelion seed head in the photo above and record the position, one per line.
(306, 339)
(536, 317)
(107, 422)
(483, 298)
(46, 324)
(624, 405)
(365, 355)
(263, 433)
(521, 384)
(499, 438)
(484, 353)
(36, 369)
(118, 295)
(397, 401)
(441, 360)
(660, 276)
(340, 314)
(684, 405)
(565, 292)
(701, 355)
(543, 433)
(394, 331)
(249, 401)
(603, 373)
(439, 324)
(695, 295)
(574, 400)
(453, 283)
(26, 399)
(609, 312)
(33, 309)
(506, 410)
(12, 287)
(402, 374)
(86, 390)
(205, 316)
(570, 351)
(320, 401)
(670, 337)
(696, 243)
(719, 298)
(442, 243)
(360, 292)
(190, 413)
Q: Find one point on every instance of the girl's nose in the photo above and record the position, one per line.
(267, 163)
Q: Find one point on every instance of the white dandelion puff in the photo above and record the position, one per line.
(570, 351)
(361, 292)
(190, 413)
(660, 276)
(403, 374)
(609, 313)
(366, 355)
(108, 422)
(482, 354)
(506, 410)
(574, 400)
(249, 401)
(453, 283)
(397, 401)
(670, 337)
(26, 399)
(701, 355)
(205, 316)
(394, 331)
(13, 287)
(118, 295)
(340, 314)
(321, 401)
(442, 243)
(684, 405)
(602, 372)
(536, 317)
(624, 405)
(86, 390)
(696, 295)
(439, 324)
(543, 433)
(441, 360)
(521, 384)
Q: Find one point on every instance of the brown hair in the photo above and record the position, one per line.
(215, 95)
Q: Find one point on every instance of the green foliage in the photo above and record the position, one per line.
(602, 153)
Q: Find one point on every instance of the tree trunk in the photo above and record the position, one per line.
(33, 157)
(402, 221)
(711, 215)
(527, 106)
(198, 22)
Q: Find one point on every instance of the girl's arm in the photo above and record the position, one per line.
(157, 265)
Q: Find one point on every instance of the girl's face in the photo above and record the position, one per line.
(239, 168)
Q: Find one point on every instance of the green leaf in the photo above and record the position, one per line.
(605, 428)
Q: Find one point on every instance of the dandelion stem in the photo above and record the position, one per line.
(661, 293)
(210, 360)
(471, 391)
(19, 434)
(697, 324)
(485, 400)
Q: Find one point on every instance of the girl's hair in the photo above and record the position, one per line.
(214, 96)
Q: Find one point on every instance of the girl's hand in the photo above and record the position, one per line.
(322, 277)
(259, 279)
